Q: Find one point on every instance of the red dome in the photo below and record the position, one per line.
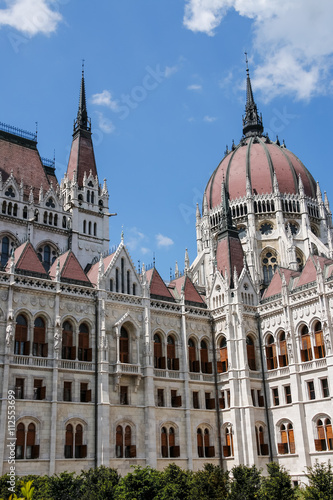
(257, 158)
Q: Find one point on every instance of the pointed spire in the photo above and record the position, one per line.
(82, 121)
(252, 122)
(226, 221)
(122, 234)
(176, 270)
(318, 193)
(31, 195)
(57, 275)
(205, 205)
(235, 278)
(197, 213)
(41, 193)
(275, 184)
(300, 185)
(187, 261)
(326, 202)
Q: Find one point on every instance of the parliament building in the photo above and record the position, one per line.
(230, 362)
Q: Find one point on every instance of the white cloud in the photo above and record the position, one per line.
(104, 99)
(134, 238)
(194, 86)
(210, 119)
(170, 70)
(105, 124)
(145, 250)
(293, 39)
(30, 16)
(163, 241)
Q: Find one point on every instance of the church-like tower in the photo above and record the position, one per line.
(275, 204)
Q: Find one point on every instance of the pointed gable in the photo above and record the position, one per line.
(275, 286)
(192, 296)
(70, 269)
(157, 287)
(309, 272)
(27, 261)
(93, 271)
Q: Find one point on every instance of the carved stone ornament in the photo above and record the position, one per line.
(57, 338)
(9, 334)
(328, 342)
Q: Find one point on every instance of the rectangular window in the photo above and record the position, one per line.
(275, 393)
(253, 397)
(228, 398)
(210, 402)
(311, 390)
(160, 397)
(39, 389)
(19, 388)
(67, 391)
(222, 401)
(85, 393)
(176, 401)
(196, 399)
(123, 395)
(287, 394)
(261, 401)
(325, 388)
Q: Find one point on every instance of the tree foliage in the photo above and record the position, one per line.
(246, 483)
(142, 484)
(277, 486)
(320, 486)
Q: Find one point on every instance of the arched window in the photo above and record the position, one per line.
(206, 366)
(269, 264)
(4, 250)
(68, 349)
(55, 220)
(84, 352)
(283, 356)
(168, 443)
(319, 348)
(306, 349)
(84, 227)
(222, 365)
(88, 196)
(15, 210)
(92, 197)
(117, 279)
(89, 227)
(172, 361)
(159, 360)
(25, 212)
(325, 437)
(74, 447)
(50, 218)
(194, 365)
(64, 222)
(200, 443)
(47, 257)
(124, 446)
(95, 228)
(45, 218)
(10, 206)
(4, 207)
(122, 266)
(124, 346)
(271, 358)
(22, 346)
(39, 347)
(128, 274)
(26, 442)
(262, 447)
(228, 448)
(287, 444)
(251, 359)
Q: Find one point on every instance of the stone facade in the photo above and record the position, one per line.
(227, 364)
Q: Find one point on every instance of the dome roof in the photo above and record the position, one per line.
(257, 158)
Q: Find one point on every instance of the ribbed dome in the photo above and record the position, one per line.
(258, 158)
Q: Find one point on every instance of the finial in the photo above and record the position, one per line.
(247, 63)
(83, 67)
(122, 234)
(154, 259)
(176, 270)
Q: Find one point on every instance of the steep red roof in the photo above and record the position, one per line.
(82, 157)
(275, 285)
(191, 293)
(27, 261)
(93, 271)
(309, 272)
(229, 255)
(157, 287)
(70, 269)
(21, 157)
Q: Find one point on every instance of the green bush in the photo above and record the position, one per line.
(211, 483)
(246, 483)
(320, 486)
(99, 483)
(143, 483)
(277, 486)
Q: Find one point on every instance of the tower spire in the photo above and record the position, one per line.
(252, 121)
(82, 121)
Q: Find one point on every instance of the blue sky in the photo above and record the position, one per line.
(165, 82)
